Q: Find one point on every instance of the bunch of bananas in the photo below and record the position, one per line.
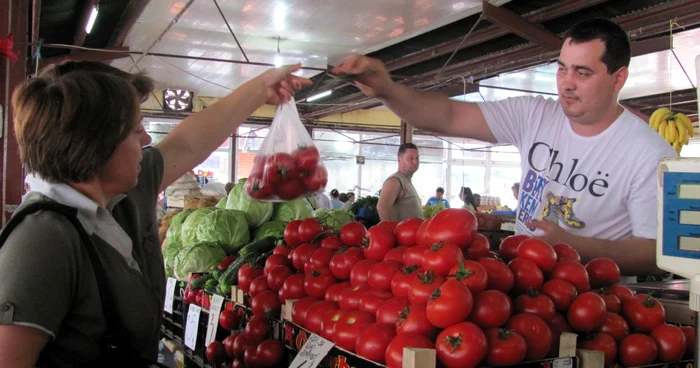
(675, 128)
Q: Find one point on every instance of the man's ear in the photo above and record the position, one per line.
(620, 77)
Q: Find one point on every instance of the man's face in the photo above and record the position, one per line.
(409, 161)
(586, 90)
(438, 195)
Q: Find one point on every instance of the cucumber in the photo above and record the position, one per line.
(216, 274)
(230, 277)
(198, 283)
(211, 285)
(263, 245)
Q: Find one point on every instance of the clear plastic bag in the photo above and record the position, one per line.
(288, 165)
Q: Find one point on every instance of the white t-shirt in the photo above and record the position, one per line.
(602, 186)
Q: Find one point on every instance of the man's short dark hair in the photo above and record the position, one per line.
(617, 46)
(440, 190)
(405, 146)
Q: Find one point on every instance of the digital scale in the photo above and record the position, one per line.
(678, 236)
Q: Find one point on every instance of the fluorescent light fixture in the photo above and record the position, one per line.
(278, 61)
(320, 95)
(91, 20)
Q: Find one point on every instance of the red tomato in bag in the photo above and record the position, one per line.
(405, 231)
(506, 347)
(450, 304)
(374, 340)
(378, 242)
(454, 225)
(491, 308)
(279, 167)
(289, 189)
(472, 274)
(463, 345)
(643, 313)
(256, 188)
(309, 229)
(352, 233)
(380, 274)
(315, 179)
(441, 257)
(306, 157)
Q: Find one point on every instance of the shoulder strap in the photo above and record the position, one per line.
(115, 335)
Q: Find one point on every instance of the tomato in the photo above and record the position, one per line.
(257, 329)
(689, 333)
(615, 326)
(643, 313)
(401, 281)
(372, 299)
(266, 303)
(602, 272)
(373, 341)
(670, 341)
(574, 273)
(587, 312)
(612, 303)
(422, 235)
(240, 343)
(292, 288)
(558, 326)
(315, 179)
(508, 249)
(328, 324)
(472, 274)
(300, 309)
(276, 260)
(256, 188)
(333, 292)
(223, 265)
(306, 157)
(229, 320)
(536, 303)
(389, 225)
(289, 189)
(637, 350)
(414, 319)
(350, 298)
(441, 257)
(561, 292)
(453, 225)
(463, 345)
(246, 275)
(414, 255)
(537, 334)
(360, 271)
(348, 328)
(451, 303)
(622, 293)
(538, 251)
(309, 229)
(279, 167)
(492, 308)
(228, 344)
(317, 312)
(284, 250)
(258, 286)
(423, 286)
(405, 231)
(380, 274)
(352, 233)
(269, 353)
(216, 353)
(395, 254)
(342, 263)
(302, 254)
(565, 252)
(378, 242)
(527, 275)
(394, 352)
(388, 312)
(291, 233)
(599, 342)
(316, 283)
(479, 248)
(276, 277)
(321, 258)
(499, 275)
(331, 242)
(506, 347)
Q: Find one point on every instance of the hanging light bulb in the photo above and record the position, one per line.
(278, 57)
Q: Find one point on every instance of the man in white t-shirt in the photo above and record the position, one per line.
(588, 165)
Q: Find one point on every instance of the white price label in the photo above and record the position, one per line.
(216, 302)
(192, 326)
(169, 295)
(562, 363)
(313, 351)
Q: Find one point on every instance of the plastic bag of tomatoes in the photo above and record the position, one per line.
(288, 165)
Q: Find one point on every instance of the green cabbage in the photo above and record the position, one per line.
(228, 228)
(298, 209)
(334, 218)
(174, 231)
(188, 233)
(430, 211)
(273, 228)
(169, 253)
(201, 257)
(256, 212)
(222, 203)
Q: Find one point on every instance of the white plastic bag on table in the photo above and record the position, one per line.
(288, 165)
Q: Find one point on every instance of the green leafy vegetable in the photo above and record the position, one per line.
(225, 227)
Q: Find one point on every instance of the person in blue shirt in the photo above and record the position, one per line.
(439, 193)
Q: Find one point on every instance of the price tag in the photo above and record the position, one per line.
(169, 295)
(311, 354)
(562, 363)
(216, 302)
(192, 326)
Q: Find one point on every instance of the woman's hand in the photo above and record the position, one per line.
(281, 84)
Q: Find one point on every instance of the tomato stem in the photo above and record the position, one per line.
(454, 341)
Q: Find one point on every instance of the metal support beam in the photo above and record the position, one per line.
(15, 20)
(80, 33)
(650, 46)
(233, 147)
(131, 14)
(406, 133)
(514, 23)
(85, 56)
